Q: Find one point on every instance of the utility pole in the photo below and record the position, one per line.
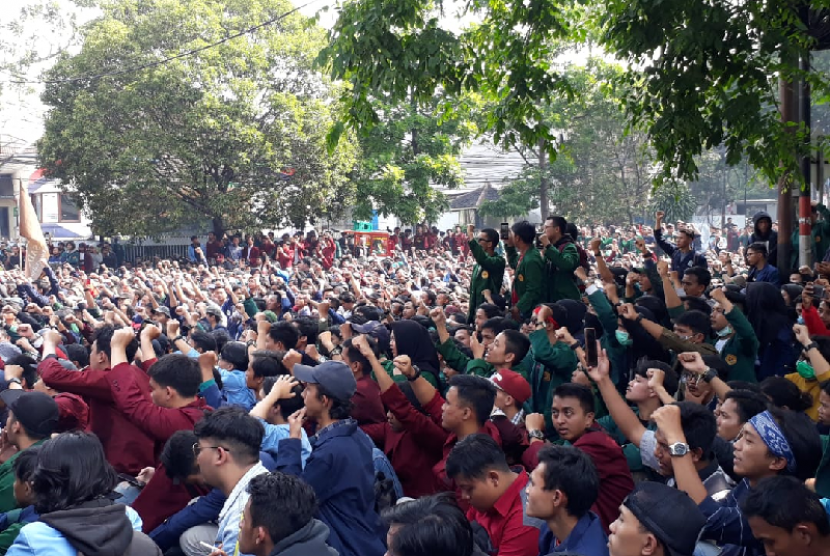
(789, 113)
(805, 238)
(543, 181)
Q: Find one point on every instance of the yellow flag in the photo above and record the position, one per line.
(37, 255)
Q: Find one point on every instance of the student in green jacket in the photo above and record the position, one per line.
(528, 286)
(561, 258)
(736, 342)
(820, 232)
(488, 271)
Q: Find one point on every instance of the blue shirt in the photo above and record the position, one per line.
(235, 389)
(586, 539)
(727, 526)
(275, 433)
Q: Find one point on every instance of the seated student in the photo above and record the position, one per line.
(429, 526)
(73, 485)
(646, 399)
(13, 521)
(512, 389)
(281, 398)
(233, 362)
(646, 528)
(775, 442)
(561, 491)
(495, 494)
(573, 417)
(227, 455)
(279, 519)
(411, 440)
(788, 518)
(340, 468)
(31, 421)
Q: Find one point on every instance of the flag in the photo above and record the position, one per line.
(37, 254)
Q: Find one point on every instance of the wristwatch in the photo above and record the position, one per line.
(678, 449)
(709, 375)
(639, 318)
(574, 346)
(538, 435)
(177, 338)
(15, 380)
(810, 346)
(416, 375)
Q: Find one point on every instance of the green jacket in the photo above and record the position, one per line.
(551, 365)
(823, 471)
(741, 349)
(631, 451)
(821, 237)
(617, 353)
(459, 362)
(7, 501)
(488, 274)
(527, 281)
(559, 271)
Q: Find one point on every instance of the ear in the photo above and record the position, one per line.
(169, 391)
(778, 464)
(697, 454)
(651, 546)
(590, 417)
(804, 533)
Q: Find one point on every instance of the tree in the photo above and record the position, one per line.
(152, 127)
(675, 199)
(410, 149)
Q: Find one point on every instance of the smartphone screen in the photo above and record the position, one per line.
(591, 355)
(505, 230)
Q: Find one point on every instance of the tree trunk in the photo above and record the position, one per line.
(218, 227)
(543, 181)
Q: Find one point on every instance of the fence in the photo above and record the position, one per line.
(145, 252)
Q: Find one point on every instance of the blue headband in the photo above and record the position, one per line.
(772, 436)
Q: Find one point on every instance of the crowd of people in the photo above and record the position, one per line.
(521, 391)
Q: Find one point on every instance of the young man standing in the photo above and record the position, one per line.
(561, 491)
(340, 468)
(683, 255)
(573, 418)
(279, 519)
(561, 258)
(496, 495)
(528, 283)
(488, 271)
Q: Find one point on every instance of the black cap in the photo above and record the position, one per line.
(36, 411)
(677, 529)
(335, 376)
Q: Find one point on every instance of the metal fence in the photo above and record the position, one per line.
(145, 252)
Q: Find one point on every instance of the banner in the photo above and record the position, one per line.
(37, 254)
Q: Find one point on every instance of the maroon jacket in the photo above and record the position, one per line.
(74, 413)
(417, 447)
(127, 447)
(368, 409)
(615, 481)
(160, 498)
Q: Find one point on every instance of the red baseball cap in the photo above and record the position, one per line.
(513, 384)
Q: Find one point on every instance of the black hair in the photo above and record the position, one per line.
(308, 327)
(703, 276)
(759, 248)
(203, 340)
(25, 463)
(29, 366)
(477, 393)
(496, 324)
(71, 469)
(102, 338)
(748, 403)
(572, 471)
(177, 456)
(77, 353)
(474, 456)
(516, 343)
(287, 405)
(179, 372)
(235, 430)
(699, 426)
(354, 354)
(492, 235)
(670, 379)
(524, 231)
(341, 408)
(826, 387)
(284, 333)
(697, 321)
(745, 385)
(581, 392)
(804, 440)
(432, 525)
(236, 353)
(785, 502)
(221, 337)
(785, 393)
(560, 223)
(490, 310)
(267, 363)
(281, 503)
(697, 304)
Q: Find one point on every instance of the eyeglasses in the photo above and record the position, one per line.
(197, 448)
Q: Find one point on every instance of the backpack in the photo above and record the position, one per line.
(385, 496)
(583, 255)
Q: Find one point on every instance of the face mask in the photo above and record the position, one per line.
(624, 338)
(800, 320)
(725, 331)
(805, 370)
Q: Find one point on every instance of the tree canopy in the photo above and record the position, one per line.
(234, 134)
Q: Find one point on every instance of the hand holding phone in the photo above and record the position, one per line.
(591, 355)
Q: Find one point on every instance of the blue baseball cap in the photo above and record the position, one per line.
(334, 376)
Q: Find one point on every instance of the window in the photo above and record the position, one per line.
(6, 186)
(37, 204)
(69, 210)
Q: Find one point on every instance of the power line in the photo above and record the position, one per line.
(164, 60)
